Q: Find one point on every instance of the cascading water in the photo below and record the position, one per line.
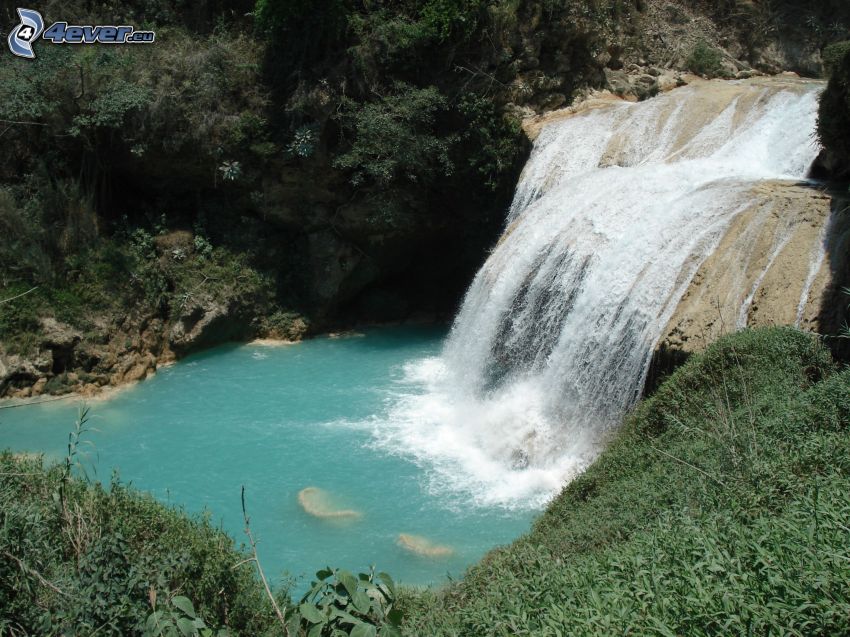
(615, 211)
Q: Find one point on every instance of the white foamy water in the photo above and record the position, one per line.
(615, 211)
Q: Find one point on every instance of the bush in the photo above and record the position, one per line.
(393, 139)
(833, 56)
(491, 142)
(338, 603)
(443, 18)
(706, 60)
(81, 558)
(834, 111)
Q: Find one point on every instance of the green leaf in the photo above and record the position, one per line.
(390, 631)
(294, 622)
(348, 580)
(317, 586)
(311, 613)
(316, 631)
(184, 604)
(324, 574)
(388, 581)
(186, 627)
(345, 617)
(363, 630)
(361, 602)
(395, 616)
(153, 620)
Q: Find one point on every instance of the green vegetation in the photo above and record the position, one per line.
(392, 140)
(108, 153)
(203, 133)
(79, 558)
(338, 603)
(720, 507)
(834, 113)
(706, 60)
(139, 182)
(167, 274)
(333, 134)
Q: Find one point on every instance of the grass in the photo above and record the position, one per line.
(720, 507)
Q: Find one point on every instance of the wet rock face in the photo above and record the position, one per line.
(783, 261)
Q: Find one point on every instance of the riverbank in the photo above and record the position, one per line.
(72, 384)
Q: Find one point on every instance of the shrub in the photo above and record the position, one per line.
(706, 60)
(491, 141)
(443, 18)
(393, 138)
(85, 558)
(834, 55)
(338, 603)
(834, 110)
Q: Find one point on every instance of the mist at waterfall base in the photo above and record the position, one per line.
(462, 440)
(277, 420)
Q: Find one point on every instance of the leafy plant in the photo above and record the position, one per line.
(304, 141)
(492, 141)
(834, 55)
(706, 60)
(202, 245)
(442, 18)
(177, 619)
(230, 170)
(393, 138)
(338, 603)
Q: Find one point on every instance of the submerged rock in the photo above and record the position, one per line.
(319, 503)
(422, 546)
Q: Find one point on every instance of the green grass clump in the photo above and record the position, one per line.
(720, 507)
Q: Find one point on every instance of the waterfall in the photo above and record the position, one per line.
(614, 213)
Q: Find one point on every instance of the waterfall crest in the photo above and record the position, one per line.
(614, 213)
